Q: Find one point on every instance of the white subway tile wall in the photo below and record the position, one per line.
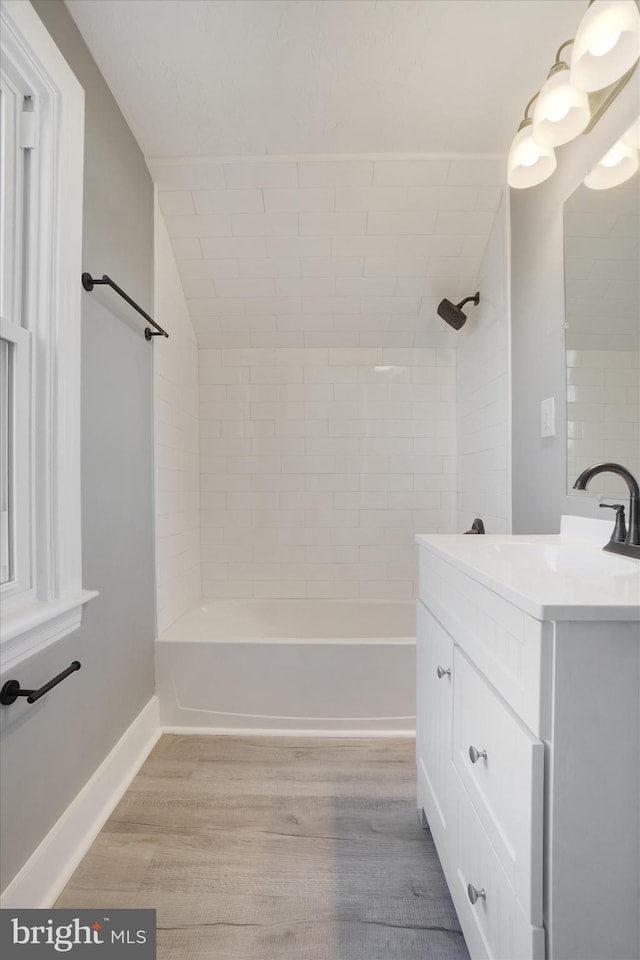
(176, 440)
(484, 488)
(327, 381)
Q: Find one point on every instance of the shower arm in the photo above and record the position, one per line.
(475, 299)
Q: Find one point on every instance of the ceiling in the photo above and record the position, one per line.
(210, 78)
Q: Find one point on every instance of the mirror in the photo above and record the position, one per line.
(602, 314)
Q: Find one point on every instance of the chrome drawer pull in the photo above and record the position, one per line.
(474, 754)
(443, 673)
(474, 894)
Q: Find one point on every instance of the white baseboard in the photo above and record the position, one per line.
(47, 871)
(353, 734)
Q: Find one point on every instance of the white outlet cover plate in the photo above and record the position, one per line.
(548, 417)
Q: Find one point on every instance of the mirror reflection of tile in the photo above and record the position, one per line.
(602, 303)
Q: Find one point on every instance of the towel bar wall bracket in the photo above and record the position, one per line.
(11, 689)
(88, 282)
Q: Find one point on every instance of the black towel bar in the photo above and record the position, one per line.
(89, 282)
(11, 689)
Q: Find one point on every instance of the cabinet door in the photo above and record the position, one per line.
(510, 648)
(494, 925)
(501, 765)
(434, 722)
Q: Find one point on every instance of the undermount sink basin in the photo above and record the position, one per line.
(571, 560)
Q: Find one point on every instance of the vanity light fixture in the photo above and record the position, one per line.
(530, 162)
(606, 45)
(561, 111)
(617, 165)
(604, 57)
(632, 136)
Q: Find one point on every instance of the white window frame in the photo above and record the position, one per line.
(16, 522)
(45, 602)
(19, 435)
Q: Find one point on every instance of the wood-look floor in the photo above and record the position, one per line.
(275, 849)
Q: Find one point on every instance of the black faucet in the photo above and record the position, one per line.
(631, 545)
(619, 534)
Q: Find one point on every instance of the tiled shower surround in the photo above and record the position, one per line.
(176, 441)
(327, 381)
(483, 418)
(319, 464)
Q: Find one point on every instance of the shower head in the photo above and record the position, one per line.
(452, 312)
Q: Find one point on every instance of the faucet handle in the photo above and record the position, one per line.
(477, 526)
(620, 530)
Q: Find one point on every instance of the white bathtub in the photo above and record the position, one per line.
(318, 666)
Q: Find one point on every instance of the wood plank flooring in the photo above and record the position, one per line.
(275, 849)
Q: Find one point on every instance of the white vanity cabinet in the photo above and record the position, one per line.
(528, 736)
(434, 726)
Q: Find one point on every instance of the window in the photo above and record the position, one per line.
(15, 559)
(15, 341)
(6, 462)
(41, 120)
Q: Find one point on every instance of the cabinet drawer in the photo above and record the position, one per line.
(511, 648)
(434, 724)
(506, 784)
(495, 925)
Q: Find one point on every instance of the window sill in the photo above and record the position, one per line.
(29, 627)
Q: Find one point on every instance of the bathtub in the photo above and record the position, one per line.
(344, 667)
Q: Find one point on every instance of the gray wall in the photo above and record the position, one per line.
(537, 318)
(50, 749)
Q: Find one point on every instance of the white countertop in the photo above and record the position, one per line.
(556, 577)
